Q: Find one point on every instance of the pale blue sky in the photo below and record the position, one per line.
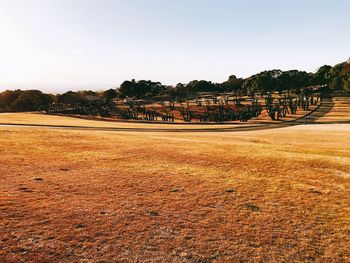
(55, 45)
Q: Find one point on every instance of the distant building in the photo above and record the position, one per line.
(128, 99)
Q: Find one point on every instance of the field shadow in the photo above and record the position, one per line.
(325, 108)
(330, 112)
(326, 113)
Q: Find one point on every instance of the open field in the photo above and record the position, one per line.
(278, 195)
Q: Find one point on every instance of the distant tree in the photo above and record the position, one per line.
(110, 94)
(191, 86)
(340, 74)
(180, 89)
(155, 89)
(87, 93)
(346, 84)
(31, 100)
(170, 91)
(141, 89)
(7, 98)
(335, 84)
(232, 84)
(299, 80)
(70, 97)
(200, 86)
(27, 100)
(322, 76)
(277, 80)
(265, 81)
(127, 88)
(337, 77)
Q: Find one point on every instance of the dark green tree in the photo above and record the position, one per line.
(233, 84)
(31, 100)
(70, 97)
(110, 94)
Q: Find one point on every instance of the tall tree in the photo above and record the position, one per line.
(110, 94)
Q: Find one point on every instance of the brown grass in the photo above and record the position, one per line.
(91, 196)
(43, 119)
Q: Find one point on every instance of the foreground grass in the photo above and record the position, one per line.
(273, 195)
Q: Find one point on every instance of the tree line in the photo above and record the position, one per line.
(33, 100)
(336, 79)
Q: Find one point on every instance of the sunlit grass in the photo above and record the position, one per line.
(272, 195)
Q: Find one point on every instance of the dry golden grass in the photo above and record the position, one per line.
(42, 119)
(93, 196)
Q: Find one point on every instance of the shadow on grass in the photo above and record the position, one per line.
(318, 116)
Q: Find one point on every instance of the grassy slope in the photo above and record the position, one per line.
(42, 119)
(273, 195)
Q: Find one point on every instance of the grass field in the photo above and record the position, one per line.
(40, 119)
(277, 195)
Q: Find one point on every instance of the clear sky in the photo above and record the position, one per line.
(56, 45)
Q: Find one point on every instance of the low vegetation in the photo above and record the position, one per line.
(279, 195)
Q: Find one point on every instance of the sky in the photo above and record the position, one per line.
(59, 45)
